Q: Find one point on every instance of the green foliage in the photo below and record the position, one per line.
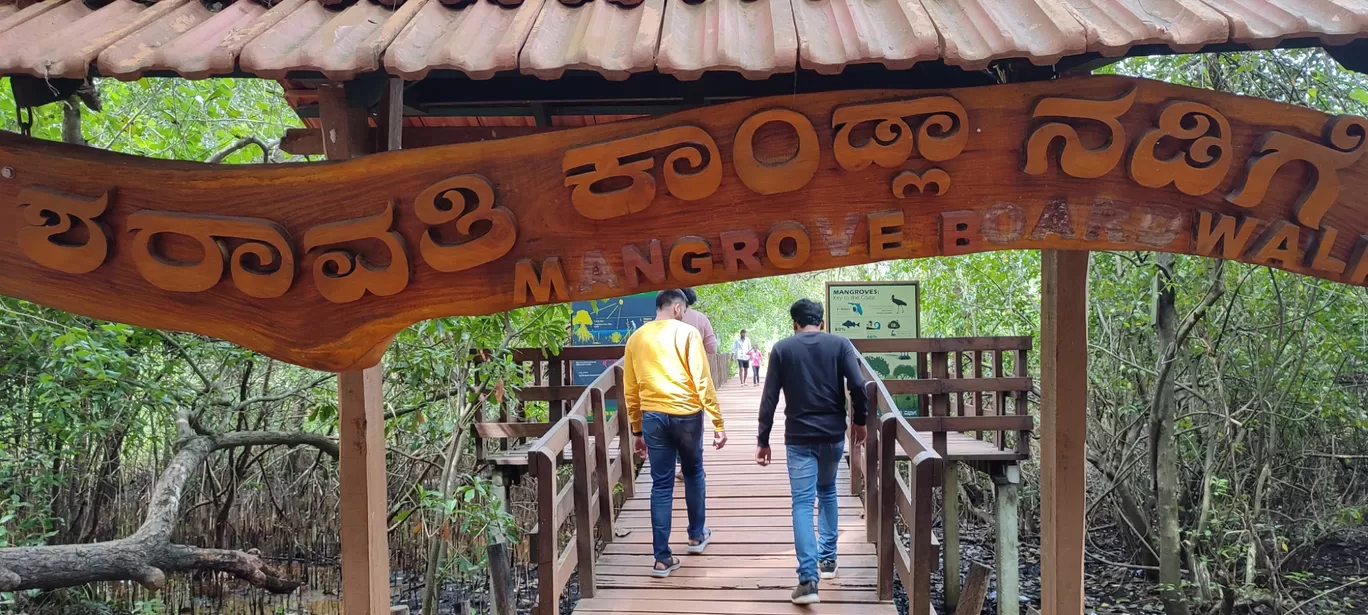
(168, 118)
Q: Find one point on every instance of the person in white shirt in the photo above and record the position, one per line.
(741, 350)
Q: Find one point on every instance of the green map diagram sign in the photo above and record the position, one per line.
(878, 310)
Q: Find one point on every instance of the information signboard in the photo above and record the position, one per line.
(878, 310)
(606, 322)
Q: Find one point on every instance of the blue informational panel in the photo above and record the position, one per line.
(606, 322)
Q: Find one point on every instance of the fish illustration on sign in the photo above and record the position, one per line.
(850, 324)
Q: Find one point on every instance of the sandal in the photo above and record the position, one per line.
(670, 566)
(702, 544)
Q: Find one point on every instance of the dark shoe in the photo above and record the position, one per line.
(828, 568)
(663, 569)
(805, 593)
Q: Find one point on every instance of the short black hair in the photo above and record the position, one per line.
(670, 297)
(806, 313)
(689, 295)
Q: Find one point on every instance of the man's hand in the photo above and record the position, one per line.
(762, 455)
(858, 434)
(719, 439)
(639, 445)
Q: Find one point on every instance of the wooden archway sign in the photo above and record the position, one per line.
(322, 264)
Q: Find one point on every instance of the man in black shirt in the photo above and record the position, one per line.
(809, 368)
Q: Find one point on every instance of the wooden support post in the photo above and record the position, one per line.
(625, 443)
(583, 470)
(361, 414)
(975, 590)
(872, 473)
(603, 464)
(345, 128)
(501, 573)
(951, 553)
(365, 548)
(1063, 428)
(389, 118)
(1008, 549)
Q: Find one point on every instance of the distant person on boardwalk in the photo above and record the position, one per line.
(668, 388)
(813, 370)
(741, 350)
(700, 321)
(755, 364)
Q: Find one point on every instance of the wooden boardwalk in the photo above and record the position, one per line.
(749, 569)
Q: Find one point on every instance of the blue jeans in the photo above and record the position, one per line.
(812, 476)
(670, 438)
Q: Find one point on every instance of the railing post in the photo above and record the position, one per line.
(625, 455)
(873, 455)
(548, 595)
(602, 474)
(583, 469)
(924, 473)
(888, 433)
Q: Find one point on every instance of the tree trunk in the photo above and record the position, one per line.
(148, 553)
(1163, 444)
(431, 590)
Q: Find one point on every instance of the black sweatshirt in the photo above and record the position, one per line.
(809, 368)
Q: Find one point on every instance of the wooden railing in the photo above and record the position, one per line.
(588, 496)
(550, 376)
(955, 394)
(888, 495)
(720, 366)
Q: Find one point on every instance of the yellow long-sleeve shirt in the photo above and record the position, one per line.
(666, 370)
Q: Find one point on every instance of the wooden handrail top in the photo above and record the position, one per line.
(569, 353)
(938, 386)
(1019, 422)
(553, 442)
(918, 450)
(944, 344)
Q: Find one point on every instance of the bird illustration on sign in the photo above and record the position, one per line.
(900, 303)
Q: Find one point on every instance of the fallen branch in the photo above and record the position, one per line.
(148, 554)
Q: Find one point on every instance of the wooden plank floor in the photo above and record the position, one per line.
(749, 569)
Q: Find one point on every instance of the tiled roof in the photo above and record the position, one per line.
(757, 38)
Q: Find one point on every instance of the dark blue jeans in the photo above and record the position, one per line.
(669, 439)
(812, 476)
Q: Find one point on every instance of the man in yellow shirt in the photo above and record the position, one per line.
(668, 387)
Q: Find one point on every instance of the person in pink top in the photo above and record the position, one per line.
(700, 321)
(755, 363)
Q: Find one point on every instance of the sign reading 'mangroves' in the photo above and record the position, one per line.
(321, 264)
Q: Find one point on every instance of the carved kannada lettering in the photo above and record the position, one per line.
(447, 201)
(892, 141)
(1200, 168)
(1344, 139)
(786, 176)
(51, 214)
(345, 275)
(910, 179)
(1077, 160)
(629, 160)
(262, 240)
